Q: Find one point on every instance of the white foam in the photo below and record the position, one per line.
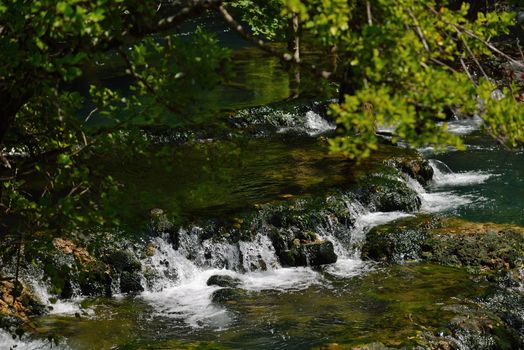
(443, 176)
(190, 301)
(434, 202)
(442, 201)
(283, 279)
(7, 342)
(258, 254)
(379, 218)
(58, 306)
(316, 125)
(464, 126)
(347, 268)
(313, 125)
(180, 289)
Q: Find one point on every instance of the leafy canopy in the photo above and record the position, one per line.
(402, 64)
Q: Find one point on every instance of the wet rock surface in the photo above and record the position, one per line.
(451, 242)
(223, 281)
(226, 295)
(385, 191)
(308, 254)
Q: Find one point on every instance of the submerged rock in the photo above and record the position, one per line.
(226, 295)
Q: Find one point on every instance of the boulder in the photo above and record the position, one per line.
(416, 167)
(450, 242)
(122, 260)
(130, 282)
(308, 254)
(386, 191)
(223, 281)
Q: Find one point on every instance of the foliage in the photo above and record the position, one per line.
(402, 64)
(263, 17)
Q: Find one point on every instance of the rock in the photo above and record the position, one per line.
(26, 304)
(130, 282)
(450, 242)
(94, 283)
(400, 240)
(161, 226)
(226, 295)
(416, 167)
(122, 260)
(223, 281)
(490, 246)
(308, 254)
(385, 191)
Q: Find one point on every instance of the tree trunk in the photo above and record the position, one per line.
(10, 105)
(294, 46)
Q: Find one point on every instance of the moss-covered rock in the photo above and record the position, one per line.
(130, 282)
(121, 260)
(386, 191)
(449, 242)
(401, 240)
(161, 226)
(226, 295)
(223, 281)
(413, 165)
(308, 254)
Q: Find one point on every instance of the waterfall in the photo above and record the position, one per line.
(174, 277)
(7, 342)
(444, 176)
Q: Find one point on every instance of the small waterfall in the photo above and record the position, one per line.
(444, 176)
(166, 267)
(348, 243)
(311, 124)
(258, 254)
(316, 125)
(39, 287)
(439, 168)
(438, 200)
(434, 202)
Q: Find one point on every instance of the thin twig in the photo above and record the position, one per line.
(467, 71)
(460, 28)
(436, 60)
(419, 32)
(473, 56)
(368, 10)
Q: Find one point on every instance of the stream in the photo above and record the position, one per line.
(347, 303)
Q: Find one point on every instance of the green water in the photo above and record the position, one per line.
(221, 178)
(390, 306)
(500, 198)
(218, 179)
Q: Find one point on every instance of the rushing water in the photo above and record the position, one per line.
(350, 302)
